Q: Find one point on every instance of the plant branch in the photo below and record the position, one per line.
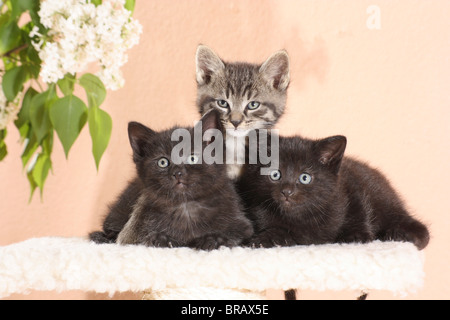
(10, 52)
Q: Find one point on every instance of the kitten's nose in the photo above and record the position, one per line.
(287, 192)
(236, 123)
(178, 175)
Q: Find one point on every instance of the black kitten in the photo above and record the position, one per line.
(189, 204)
(318, 196)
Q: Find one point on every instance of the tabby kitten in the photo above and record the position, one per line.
(248, 96)
(318, 196)
(169, 205)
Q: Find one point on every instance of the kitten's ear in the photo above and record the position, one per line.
(139, 136)
(207, 63)
(330, 151)
(276, 70)
(211, 120)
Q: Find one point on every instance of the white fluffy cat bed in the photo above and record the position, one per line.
(76, 264)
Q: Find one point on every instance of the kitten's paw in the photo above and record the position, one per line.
(415, 232)
(262, 243)
(270, 241)
(355, 238)
(100, 237)
(211, 242)
(160, 240)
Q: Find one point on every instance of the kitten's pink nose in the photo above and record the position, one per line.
(287, 192)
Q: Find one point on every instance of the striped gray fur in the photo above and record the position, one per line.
(232, 87)
(239, 84)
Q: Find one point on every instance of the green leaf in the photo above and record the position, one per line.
(33, 184)
(3, 149)
(40, 170)
(19, 6)
(95, 90)
(68, 116)
(35, 16)
(8, 63)
(67, 84)
(4, 18)
(10, 37)
(39, 113)
(100, 127)
(40, 165)
(23, 131)
(129, 5)
(13, 81)
(24, 114)
(31, 146)
(47, 144)
(27, 4)
(96, 2)
(33, 68)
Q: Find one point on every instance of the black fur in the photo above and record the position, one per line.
(346, 201)
(192, 205)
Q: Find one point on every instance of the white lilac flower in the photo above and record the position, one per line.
(80, 34)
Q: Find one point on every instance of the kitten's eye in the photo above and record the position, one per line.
(305, 178)
(192, 159)
(163, 162)
(222, 103)
(275, 175)
(253, 105)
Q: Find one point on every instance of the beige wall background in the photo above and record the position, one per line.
(386, 89)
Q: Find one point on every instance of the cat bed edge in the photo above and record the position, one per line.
(56, 263)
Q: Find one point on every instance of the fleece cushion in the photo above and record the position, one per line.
(55, 263)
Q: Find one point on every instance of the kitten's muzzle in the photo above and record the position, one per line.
(180, 176)
(286, 196)
(287, 193)
(236, 119)
(236, 123)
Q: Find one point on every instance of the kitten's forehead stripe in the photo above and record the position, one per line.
(247, 90)
(241, 75)
(252, 93)
(230, 89)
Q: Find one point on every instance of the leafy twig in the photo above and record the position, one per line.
(18, 49)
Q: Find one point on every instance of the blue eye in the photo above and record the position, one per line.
(253, 105)
(163, 162)
(305, 178)
(275, 175)
(222, 103)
